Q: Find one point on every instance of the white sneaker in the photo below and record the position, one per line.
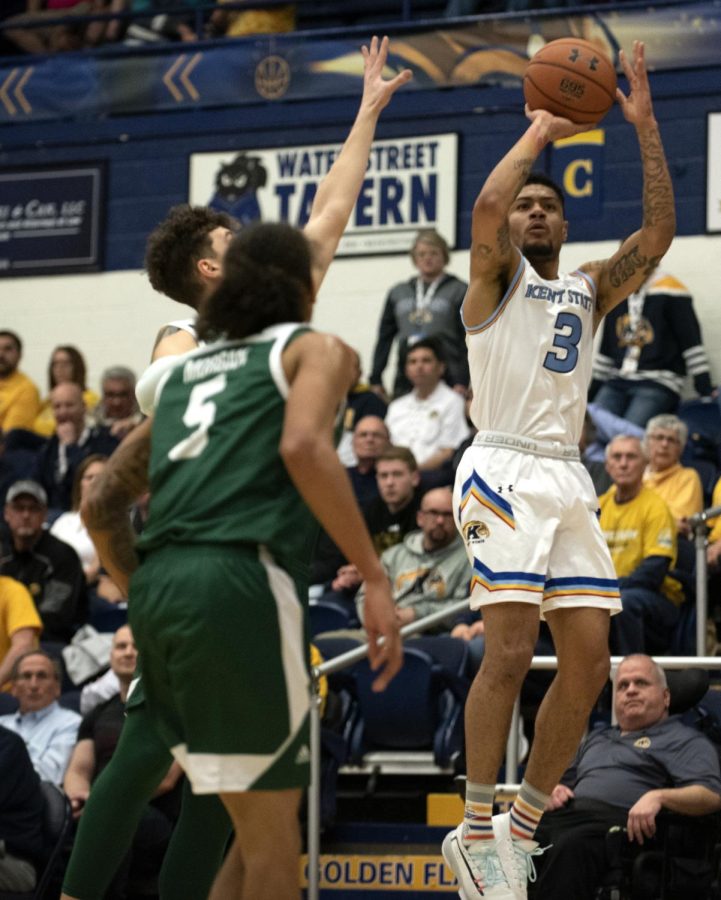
(516, 857)
(479, 874)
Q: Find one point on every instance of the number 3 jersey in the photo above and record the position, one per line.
(530, 362)
(216, 475)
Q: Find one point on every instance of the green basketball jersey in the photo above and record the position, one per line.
(216, 475)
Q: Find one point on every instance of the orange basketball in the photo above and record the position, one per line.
(571, 78)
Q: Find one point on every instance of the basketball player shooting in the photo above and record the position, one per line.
(529, 334)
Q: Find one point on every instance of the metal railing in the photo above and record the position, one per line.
(699, 527)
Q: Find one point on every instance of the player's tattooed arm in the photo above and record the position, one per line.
(639, 254)
(164, 332)
(105, 511)
(172, 341)
(658, 202)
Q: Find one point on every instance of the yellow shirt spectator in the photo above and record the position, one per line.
(20, 625)
(19, 402)
(259, 21)
(637, 529)
(680, 486)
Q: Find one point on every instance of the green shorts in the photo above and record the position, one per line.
(222, 638)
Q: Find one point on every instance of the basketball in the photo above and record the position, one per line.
(571, 78)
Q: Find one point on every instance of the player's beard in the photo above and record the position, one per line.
(540, 251)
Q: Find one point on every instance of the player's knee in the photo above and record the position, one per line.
(587, 676)
(508, 659)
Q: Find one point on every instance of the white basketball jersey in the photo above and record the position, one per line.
(146, 389)
(530, 362)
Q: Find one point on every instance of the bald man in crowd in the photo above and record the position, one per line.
(74, 439)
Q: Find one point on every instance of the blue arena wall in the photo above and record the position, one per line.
(145, 114)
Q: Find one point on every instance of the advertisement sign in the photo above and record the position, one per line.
(410, 184)
(51, 219)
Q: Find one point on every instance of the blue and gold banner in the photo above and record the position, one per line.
(488, 51)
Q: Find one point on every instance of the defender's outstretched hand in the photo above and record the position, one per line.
(377, 92)
(637, 108)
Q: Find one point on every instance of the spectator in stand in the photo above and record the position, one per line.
(370, 439)
(429, 568)
(680, 486)
(649, 343)
(431, 419)
(49, 568)
(595, 468)
(389, 517)
(73, 440)
(713, 550)
(641, 535)
(361, 401)
(9, 9)
(607, 426)
(239, 22)
(168, 20)
(66, 366)
(49, 730)
(393, 514)
(21, 816)
(624, 776)
(103, 593)
(20, 626)
(40, 39)
(428, 305)
(118, 408)
(19, 398)
(69, 526)
(97, 739)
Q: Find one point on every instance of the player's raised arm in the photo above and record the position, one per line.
(493, 256)
(338, 191)
(319, 369)
(640, 253)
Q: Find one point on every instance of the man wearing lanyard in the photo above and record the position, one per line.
(425, 306)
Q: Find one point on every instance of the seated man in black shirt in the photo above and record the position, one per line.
(49, 568)
(624, 775)
(390, 517)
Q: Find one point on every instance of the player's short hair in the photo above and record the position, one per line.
(399, 454)
(175, 246)
(542, 178)
(14, 338)
(431, 236)
(267, 280)
(427, 343)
